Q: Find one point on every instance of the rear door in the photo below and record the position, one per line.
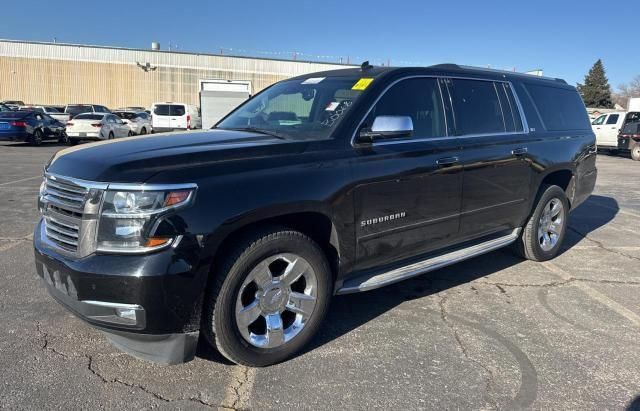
(178, 116)
(497, 175)
(409, 189)
(161, 116)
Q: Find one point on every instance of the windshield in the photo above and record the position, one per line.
(297, 109)
(15, 114)
(89, 116)
(125, 115)
(75, 110)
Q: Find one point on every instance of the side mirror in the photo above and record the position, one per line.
(387, 127)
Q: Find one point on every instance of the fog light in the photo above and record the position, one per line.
(127, 313)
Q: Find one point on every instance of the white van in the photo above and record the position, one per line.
(169, 116)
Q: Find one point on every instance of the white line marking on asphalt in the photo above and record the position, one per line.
(595, 294)
(19, 181)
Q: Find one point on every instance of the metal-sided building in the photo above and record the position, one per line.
(55, 73)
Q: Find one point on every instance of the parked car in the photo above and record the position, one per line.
(30, 126)
(49, 110)
(138, 121)
(329, 183)
(12, 104)
(5, 108)
(96, 126)
(132, 108)
(175, 116)
(75, 109)
(629, 139)
(608, 126)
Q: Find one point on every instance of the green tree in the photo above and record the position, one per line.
(596, 91)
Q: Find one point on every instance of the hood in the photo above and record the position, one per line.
(136, 159)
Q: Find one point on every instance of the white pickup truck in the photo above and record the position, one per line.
(607, 126)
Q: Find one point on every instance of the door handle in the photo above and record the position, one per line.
(520, 151)
(447, 161)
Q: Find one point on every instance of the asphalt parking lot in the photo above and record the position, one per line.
(492, 332)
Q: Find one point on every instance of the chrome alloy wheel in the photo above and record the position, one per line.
(550, 224)
(276, 300)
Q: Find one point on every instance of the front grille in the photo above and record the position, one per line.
(63, 212)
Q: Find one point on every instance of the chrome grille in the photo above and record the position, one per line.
(63, 212)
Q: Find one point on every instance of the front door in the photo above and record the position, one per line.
(610, 129)
(409, 191)
(497, 174)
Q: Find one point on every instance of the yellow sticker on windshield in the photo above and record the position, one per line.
(362, 84)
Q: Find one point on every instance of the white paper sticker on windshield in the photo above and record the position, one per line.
(313, 80)
(332, 106)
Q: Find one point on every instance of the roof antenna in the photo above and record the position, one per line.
(365, 66)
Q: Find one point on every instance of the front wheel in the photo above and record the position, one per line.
(542, 236)
(268, 299)
(63, 138)
(111, 136)
(36, 140)
(635, 152)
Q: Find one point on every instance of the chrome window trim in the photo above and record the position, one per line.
(525, 125)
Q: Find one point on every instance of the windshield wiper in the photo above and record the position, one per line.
(255, 130)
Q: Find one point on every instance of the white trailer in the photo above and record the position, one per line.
(218, 97)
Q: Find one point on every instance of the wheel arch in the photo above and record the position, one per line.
(313, 223)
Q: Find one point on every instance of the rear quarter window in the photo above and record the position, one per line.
(560, 109)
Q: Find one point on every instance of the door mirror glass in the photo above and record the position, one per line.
(388, 127)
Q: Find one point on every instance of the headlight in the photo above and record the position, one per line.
(128, 218)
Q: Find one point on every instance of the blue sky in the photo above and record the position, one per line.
(563, 38)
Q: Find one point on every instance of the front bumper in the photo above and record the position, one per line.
(148, 305)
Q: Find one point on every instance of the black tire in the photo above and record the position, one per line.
(528, 245)
(223, 292)
(73, 141)
(36, 139)
(110, 137)
(613, 152)
(143, 131)
(130, 134)
(63, 138)
(635, 152)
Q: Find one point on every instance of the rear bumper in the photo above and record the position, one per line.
(626, 143)
(148, 306)
(14, 135)
(86, 136)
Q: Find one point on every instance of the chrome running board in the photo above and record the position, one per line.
(430, 264)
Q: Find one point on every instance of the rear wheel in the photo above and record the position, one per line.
(635, 152)
(143, 131)
(36, 139)
(111, 135)
(545, 230)
(269, 298)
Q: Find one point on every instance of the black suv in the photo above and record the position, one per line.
(331, 183)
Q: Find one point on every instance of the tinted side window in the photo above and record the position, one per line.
(561, 109)
(177, 110)
(417, 98)
(161, 110)
(476, 107)
(613, 119)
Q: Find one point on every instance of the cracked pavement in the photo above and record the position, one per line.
(494, 332)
